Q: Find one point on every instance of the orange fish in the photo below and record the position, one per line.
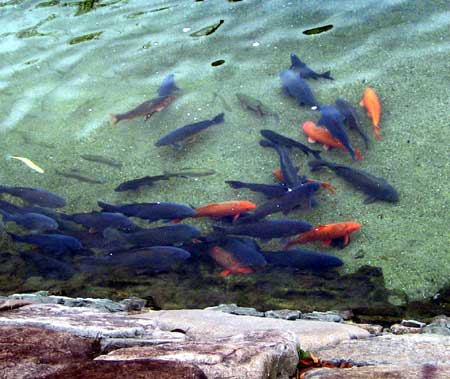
(372, 104)
(228, 261)
(226, 208)
(327, 233)
(279, 176)
(322, 135)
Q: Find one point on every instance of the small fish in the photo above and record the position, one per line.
(322, 135)
(372, 104)
(36, 196)
(207, 30)
(256, 106)
(294, 86)
(50, 243)
(318, 30)
(326, 233)
(267, 229)
(151, 211)
(98, 221)
(377, 188)
(269, 190)
(226, 208)
(102, 160)
(148, 108)
(35, 222)
(302, 259)
(279, 176)
(27, 162)
(304, 71)
(78, 175)
(332, 119)
(177, 135)
(288, 142)
(351, 119)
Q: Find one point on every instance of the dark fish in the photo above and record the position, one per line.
(299, 196)
(147, 260)
(267, 229)
(288, 142)
(177, 135)
(98, 221)
(50, 243)
(351, 118)
(256, 106)
(78, 175)
(168, 86)
(377, 188)
(318, 30)
(207, 30)
(8, 207)
(302, 259)
(48, 267)
(36, 196)
(332, 119)
(304, 71)
(161, 236)
(102, 160)
(269, 190)
(289, 172)
(191, 173)
(35, 222)
(151, 211)
(294, 86)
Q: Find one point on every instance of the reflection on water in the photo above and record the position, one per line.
(68, 65)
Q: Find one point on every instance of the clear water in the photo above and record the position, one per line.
(64, 66)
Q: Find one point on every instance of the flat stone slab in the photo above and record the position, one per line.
(206, 324)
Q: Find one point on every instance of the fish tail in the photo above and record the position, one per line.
(327, 75)
(377, 132)
(113, 119)
(219, 118)
(106, 207)
(358, 154)
(8, 157)
(234, 184)
(317, 164)
(5, 215)
(288, 245)
(316, 154)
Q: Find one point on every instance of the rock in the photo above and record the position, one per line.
(330, 316)
(439, 325)
(133, 304)
(371, 328)
(254, 355)
(285, 314)
(236, 310)
(312, 334)
(10, 304)
(412, 323)
(401, 329)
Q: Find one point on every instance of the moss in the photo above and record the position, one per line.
(84, 38)
(50, 3)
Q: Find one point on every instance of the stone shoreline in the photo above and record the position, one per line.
(47, 337)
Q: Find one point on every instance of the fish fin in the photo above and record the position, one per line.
(326, 243)
(361, 103)
(315, 153)
(370, 200)
(176, 221)
(236, 216)
(225, 273)
(327, 75)
(92, 230)
(219, 118)
(377, 132)
(358, 154)
(113, 119)
(346, 240)
(326, 147)
(311, 140)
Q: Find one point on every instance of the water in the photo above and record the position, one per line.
(66, 65)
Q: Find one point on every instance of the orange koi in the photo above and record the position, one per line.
(226, 208)
(279, 176)
(372, 104)
(322, 135)
(327, 233)
(228, 261)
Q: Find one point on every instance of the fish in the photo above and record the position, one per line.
(225, 208)
(78, 175)
(237, 257)
(304, 71)
(375, 187)
(160, 236)
(48, 267)
(27, 162)
(279, 176)
(351, 119)
(332, 119)
(326, 233)
(207, 30)
(8, 207)
(318, 30)
(100, 159)
(35, 196)
(266, 229)
(187, 131)
(99, 221)
(299, 196)
(324, 136)
(148, 108)
(289, 171)
(302, 259)
(151, 211)
(372, 104)
(288, 142)
(57, 244)
(256, 106)
(34, 222)
(269, 190)
(147, 260)
(294, 86)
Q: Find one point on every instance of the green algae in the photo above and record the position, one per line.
(84, 38)
(33, 30)
(50, 3)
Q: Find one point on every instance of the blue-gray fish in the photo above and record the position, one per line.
(35, 196)
(294, 86)
(34, 222)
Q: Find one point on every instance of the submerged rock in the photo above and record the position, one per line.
(236, 310)
(285, 314)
